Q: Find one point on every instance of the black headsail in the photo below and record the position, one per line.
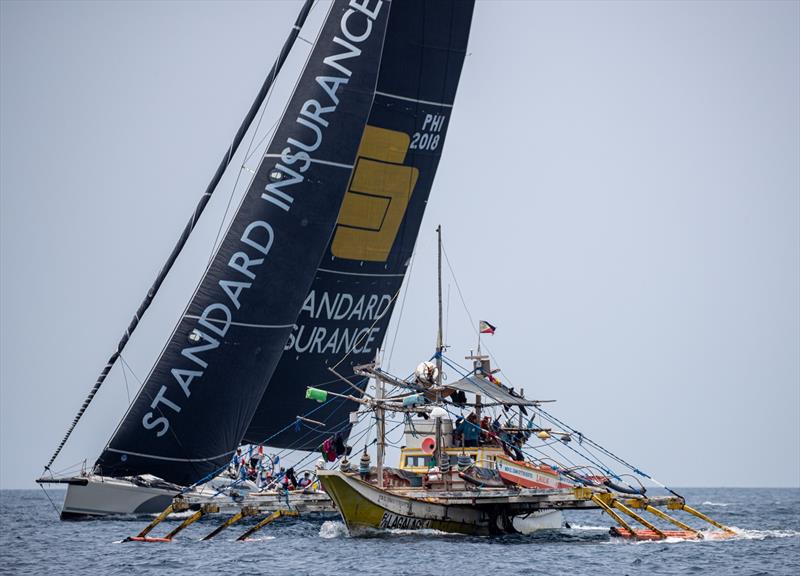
(187, 230)
(349, 304)
(195, 404)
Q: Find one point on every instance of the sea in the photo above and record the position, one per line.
(766, 520)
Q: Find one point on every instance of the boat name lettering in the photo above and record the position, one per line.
(355, 26)
(391, 520)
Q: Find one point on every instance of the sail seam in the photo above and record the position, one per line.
(244, 324)
(317, 161)
(329, 271)
(153, 457)
(398, 97)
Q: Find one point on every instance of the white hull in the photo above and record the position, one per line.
(539, 520)
(101, 496)
(96, 496)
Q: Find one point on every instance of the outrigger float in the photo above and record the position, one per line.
(472, 478)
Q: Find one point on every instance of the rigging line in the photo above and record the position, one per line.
(364, 335)
(250, 150)
(402, 308)
(160, 413)
(230, 225)
(447, 315)
(125, 376)
(607, 452)
(361, 380)
(466, 309)
(51, 500)
(214, 473)
(338, 403)
(590, 457)
(458, 289)
(257, 147)
(178, 248)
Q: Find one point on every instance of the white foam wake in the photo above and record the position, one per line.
(332, 529)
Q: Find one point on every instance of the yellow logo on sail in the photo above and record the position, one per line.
(377, 199)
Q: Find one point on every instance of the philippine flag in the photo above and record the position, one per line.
(486, 328)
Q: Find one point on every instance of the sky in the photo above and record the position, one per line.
(619, 192)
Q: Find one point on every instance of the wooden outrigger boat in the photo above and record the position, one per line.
(478, 489)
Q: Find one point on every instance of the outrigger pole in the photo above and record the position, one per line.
(201, 205)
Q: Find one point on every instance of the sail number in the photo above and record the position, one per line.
(424, 141)
(428, 138)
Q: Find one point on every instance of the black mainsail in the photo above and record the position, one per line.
(195, 404)
(344, 316)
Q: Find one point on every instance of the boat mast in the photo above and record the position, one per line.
(380, 416)
(223, 165)
(439, 351)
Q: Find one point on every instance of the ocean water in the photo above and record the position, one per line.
(34, 541)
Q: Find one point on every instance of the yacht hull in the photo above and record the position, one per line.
(97, 496)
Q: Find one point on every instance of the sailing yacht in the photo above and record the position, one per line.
(307, 270)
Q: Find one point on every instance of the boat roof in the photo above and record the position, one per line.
(477, 385)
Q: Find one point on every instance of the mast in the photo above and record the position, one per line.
(223, 165)
(439, 350)
(380, 416)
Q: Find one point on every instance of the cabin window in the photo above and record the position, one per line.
(415, 461)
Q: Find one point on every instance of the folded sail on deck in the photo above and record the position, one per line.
(195, 404)
(346, 312)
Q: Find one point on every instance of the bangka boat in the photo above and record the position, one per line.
(490, 486)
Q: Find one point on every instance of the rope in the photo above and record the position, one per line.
(51, 501)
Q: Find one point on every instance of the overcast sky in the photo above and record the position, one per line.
(620, 194)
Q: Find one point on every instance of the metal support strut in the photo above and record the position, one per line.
(269, 519)
(680, 505)
(243, 513)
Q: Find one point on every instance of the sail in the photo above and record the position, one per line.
(345, 314)
(195, 404)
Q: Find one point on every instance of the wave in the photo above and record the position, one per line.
(332, 529)
(587, 528)
(745, 534)
(721, 504)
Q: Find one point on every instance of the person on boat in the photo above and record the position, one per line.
(236, 461)
(256, 456)
(487, 434)
(517, 448)
(289, 481)
(305, 481)
(264, 478)
(243, 470)
(470, 430)
(457, 431)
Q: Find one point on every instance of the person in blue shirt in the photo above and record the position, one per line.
(470, 431)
